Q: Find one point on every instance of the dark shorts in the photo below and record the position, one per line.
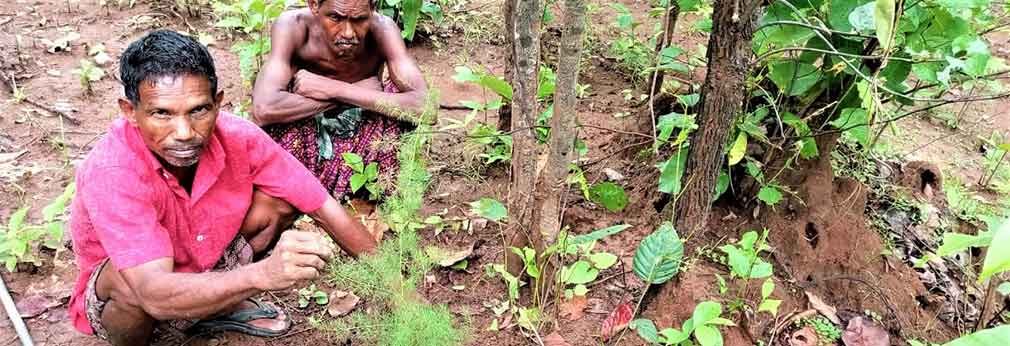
(237, 254)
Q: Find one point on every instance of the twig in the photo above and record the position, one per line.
(5, 21)
(453, 107)
(615, 130)
(292, 333)
(28, 100)
(600, 281)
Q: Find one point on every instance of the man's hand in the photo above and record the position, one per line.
(313, 86)
(297, 256)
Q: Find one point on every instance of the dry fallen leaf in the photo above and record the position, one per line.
(617, 321)
(446, 257)
(555, 339)
(827, 310)
(805, 336)
(863, 332)
(35, 305)
(342, 303)
(573, 309)
(369, 216)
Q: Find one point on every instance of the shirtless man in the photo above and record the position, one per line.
(322, 91)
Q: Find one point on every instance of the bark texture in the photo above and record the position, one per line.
(722, 95)
(505, 112)
(525, 67)
(551, 185)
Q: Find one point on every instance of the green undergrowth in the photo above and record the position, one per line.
(394, 313)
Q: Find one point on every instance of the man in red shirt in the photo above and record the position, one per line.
(175, 201)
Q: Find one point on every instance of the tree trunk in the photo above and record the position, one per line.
(505, 112)
(671, 24)
(526, 64)
(551, 185)
(722, 95)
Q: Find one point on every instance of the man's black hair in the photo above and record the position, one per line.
(371, 3)
(164, 53)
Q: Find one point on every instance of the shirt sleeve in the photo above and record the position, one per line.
(277, 173)
(123, 214)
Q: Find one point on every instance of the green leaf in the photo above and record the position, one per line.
(997, 259)
(465, 74)
(529, 257)
(957, 242)
(357, 181)
(854, 121)
(988, 337)
(597, 234)
(410, 12)
(497, 85)
(708, 336)
(883, 18)
(1004, 289)
(767, 288)
(59, 205)
(372, 171)
(738, 150)
(17, 220)
(581, 272)
(489, 208)
(320, 297)
(580, 290)
(794, 78)
(674, 336)
(354, 161)
(645, 329)
(658, 256)
(706, 311)
(230, 22)
(721, 184)
(603, 260)
(433, 11)
(770, 195)
(862, 18)
(609, 195)
(770, 305)
(672, 172)
(838, 13)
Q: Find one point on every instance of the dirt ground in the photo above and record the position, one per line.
(843, 265)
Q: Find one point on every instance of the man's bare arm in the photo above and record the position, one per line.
(407, 104)
(166, 295)
(347, 232)
(272, 102)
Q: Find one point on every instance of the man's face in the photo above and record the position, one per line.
(344, 21)
(176, 116)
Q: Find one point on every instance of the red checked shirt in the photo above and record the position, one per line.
(131, 210)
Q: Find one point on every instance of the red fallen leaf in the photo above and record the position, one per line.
(555, 339)
(34, 305)
(863, 332)
(617, 320)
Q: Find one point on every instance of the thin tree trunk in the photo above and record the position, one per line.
(551, 185)
(729, 51)
(505, 112)
(671, 24)
(526, 64)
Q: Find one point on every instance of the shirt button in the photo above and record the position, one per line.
(199, 237)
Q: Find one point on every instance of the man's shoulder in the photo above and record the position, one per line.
(291, 19)
(112, 150)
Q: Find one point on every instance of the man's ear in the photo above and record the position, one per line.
(313, 6)
(129, 112)
(218, 99)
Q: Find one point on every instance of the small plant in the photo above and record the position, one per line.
(742, 258)
(494, 145)
(703, 326)
(364, 176)
(251, 17)
(609, 195)
(826, 331)
(19, 238)
(88, 73)
(18, 94)
(309, 295)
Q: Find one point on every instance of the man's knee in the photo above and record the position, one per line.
(123, 317)
(266, 218)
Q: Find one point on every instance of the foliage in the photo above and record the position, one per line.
(88, 73)
(658, 257)
(410, 12)
(589, 264)
(364, 176)
(743, 258)
(703, 326)
(19, 238)
(638, 58)
(992, 336)
(496, 145)
(609, 195)
(826, 331)
(489, 208)
(311, 294)
(251, 18)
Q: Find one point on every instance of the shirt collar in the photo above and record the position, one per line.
(212, 160)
